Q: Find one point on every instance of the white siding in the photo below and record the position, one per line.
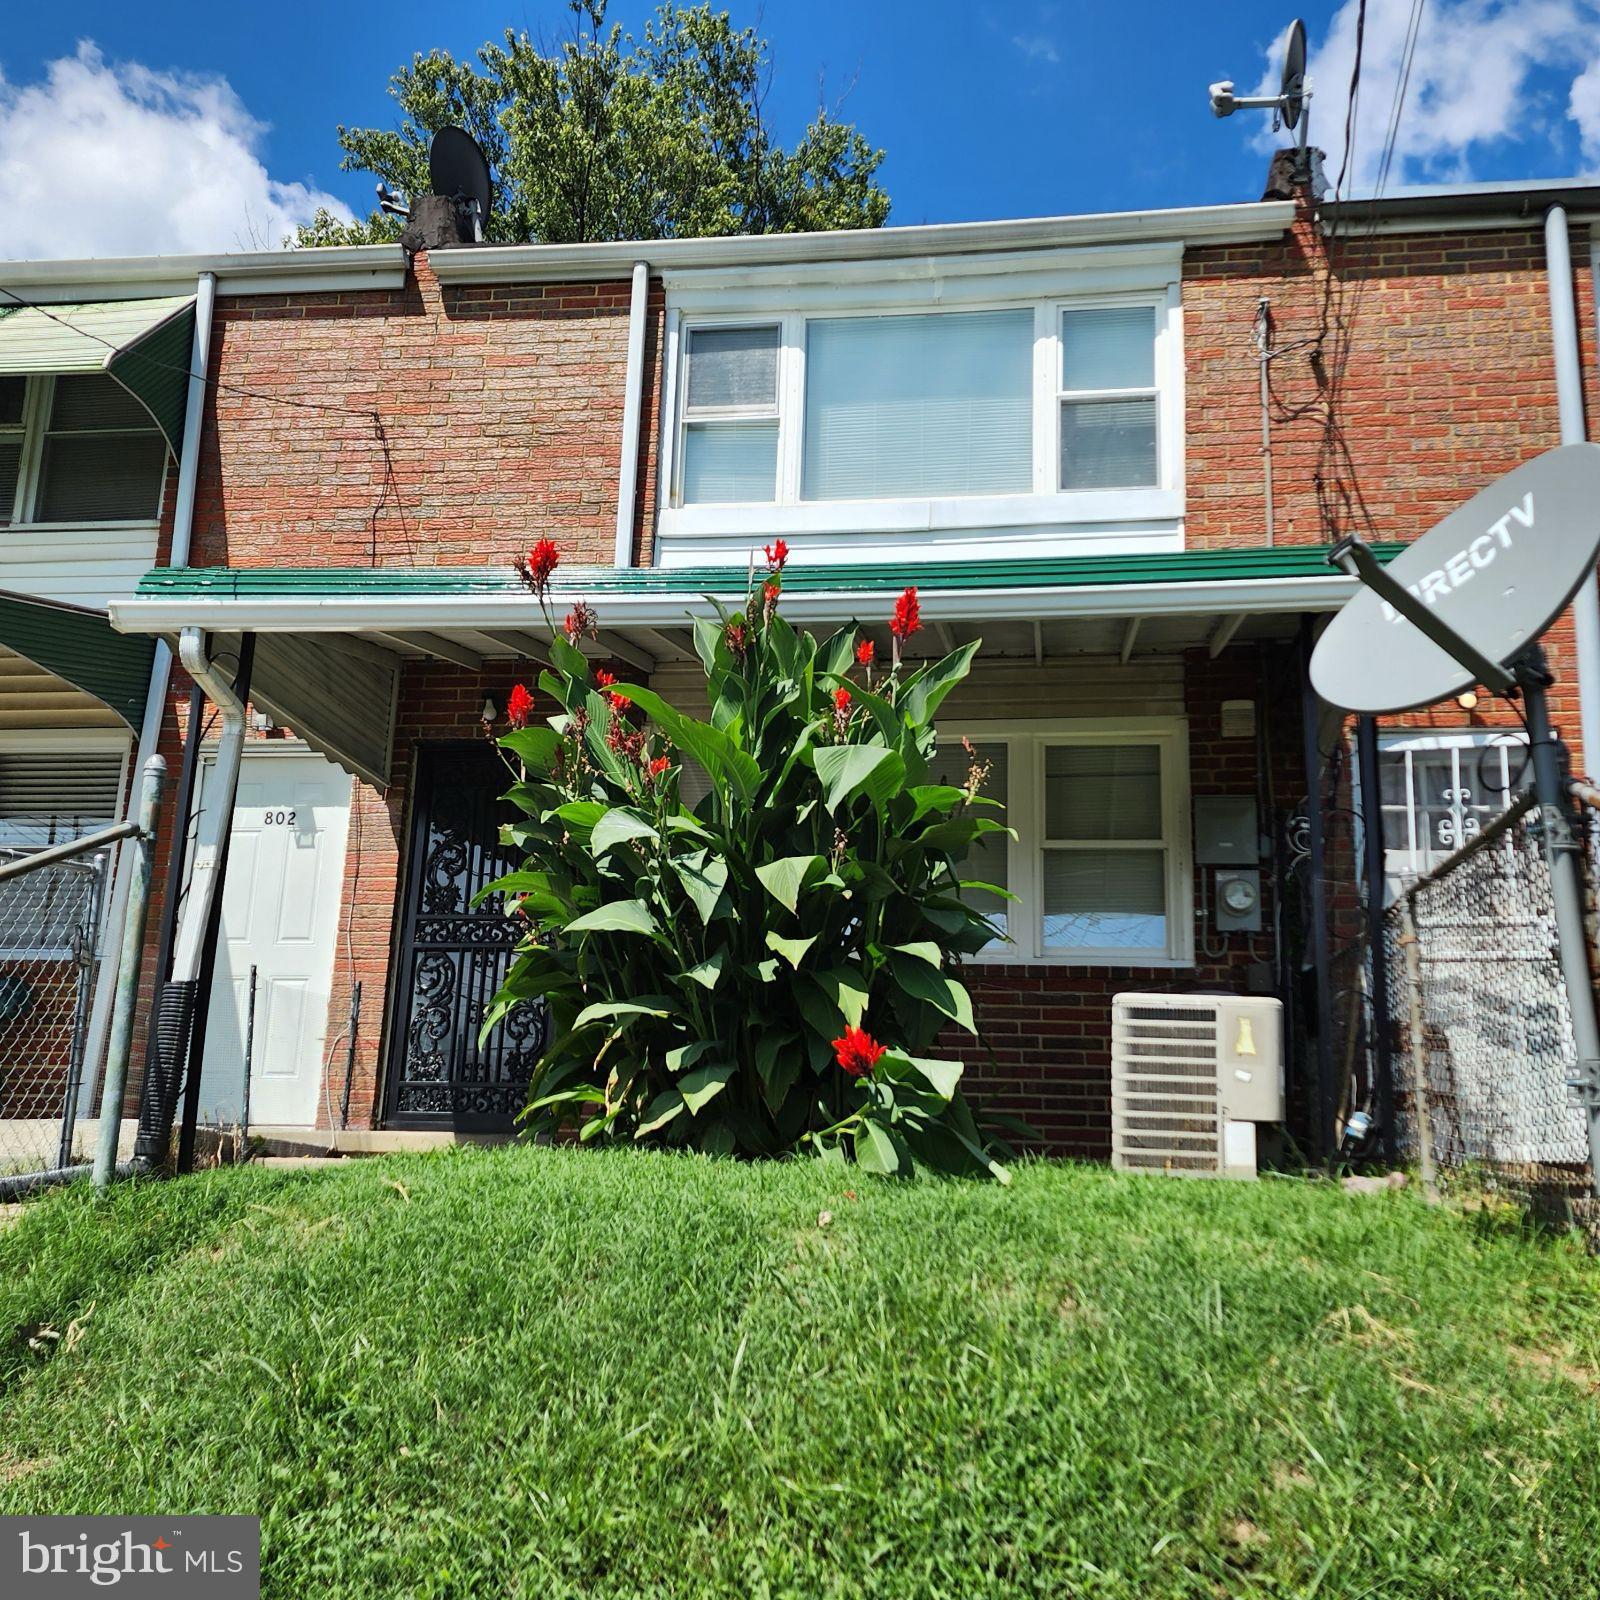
(87, 566)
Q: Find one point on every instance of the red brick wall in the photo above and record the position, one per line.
(1044, 1052)
(501, 414)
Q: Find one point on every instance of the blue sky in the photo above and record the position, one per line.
(209, 127)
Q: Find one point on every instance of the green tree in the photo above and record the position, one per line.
(605, 136)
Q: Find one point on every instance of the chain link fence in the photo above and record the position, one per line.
(1480, 1029)
(51, 919)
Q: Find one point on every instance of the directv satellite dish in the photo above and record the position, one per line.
(1292, 86)
(1496, 573)
(459, 169)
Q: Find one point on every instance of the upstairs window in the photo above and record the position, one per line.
(77, 449)
(730, 415)
(1108, 398)
(1058, 400)
(907, 406)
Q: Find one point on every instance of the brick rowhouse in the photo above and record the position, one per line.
(498, 418)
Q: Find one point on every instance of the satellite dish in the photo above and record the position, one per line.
(459, 169)
(1292, 86)
(1497, 572)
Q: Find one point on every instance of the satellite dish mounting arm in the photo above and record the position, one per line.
(1354, 556)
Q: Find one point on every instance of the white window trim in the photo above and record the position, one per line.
(38, 397)
(1025, 740)
(1038, 511)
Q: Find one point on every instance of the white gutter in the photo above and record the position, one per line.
(436, 613)
(217, 814)
(1569, 397)
(632, 405)
(1257, 221)
(344, 267)
(155, 703)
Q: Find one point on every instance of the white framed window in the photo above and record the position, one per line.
(77, 449)
(1439, 790)
(1101, 864)
(1006, 405)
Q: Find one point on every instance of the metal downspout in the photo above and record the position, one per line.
(155, 704)
(217, 814)
(632, 406)
(1569, 397)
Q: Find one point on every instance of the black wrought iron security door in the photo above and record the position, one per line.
(452, 958)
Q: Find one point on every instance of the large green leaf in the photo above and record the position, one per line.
(580, 816)
(611, 1010)
(875, 1149)
(777, 1055)
(704, 877)
(568, 659)
(708, 971)
(618, 825)
(704, 1084)
(534, 747)
(666, 1105)
(846, 990)
(923, 982)
(620, 916)
(926, 692)
(792, 950)
(845, 770)
(923, 950)
(714, 749)
(942, 1077)
(785, 878)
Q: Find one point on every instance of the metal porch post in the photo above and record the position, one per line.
(1325, 1098)
(1377, 888)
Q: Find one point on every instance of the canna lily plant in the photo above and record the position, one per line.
(769, 968)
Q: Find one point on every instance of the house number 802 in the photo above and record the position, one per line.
(280, 819)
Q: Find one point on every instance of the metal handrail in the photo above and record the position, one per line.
(67, 851)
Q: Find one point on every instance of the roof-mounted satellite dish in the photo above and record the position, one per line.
(459, 169)
(1495, 573)
(1292, 86)
(1288, 105)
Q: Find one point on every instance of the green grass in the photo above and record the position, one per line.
(558, 1373)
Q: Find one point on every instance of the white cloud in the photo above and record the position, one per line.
(1037, 47)
(102, 159)
(1481, 75)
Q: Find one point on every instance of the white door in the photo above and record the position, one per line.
(280, 915)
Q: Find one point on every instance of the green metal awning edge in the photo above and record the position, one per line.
(572, 582)
(79, 646)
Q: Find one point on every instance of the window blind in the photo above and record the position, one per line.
(918, 405)
(732, 367)
(47, 796)
(1108, 444)
(1102, 792)
(89, 402)
(729, 461)
(1107, 900)
(1108, 347)
(101, 477)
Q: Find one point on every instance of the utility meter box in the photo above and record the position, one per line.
(1227, 832)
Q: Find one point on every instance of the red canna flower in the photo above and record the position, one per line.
(769, 596)
(659, 765)
(580, 621)
(776, 555)
(519, 707)
(738, 637)
(841, 699)
(907, 618)
(617, 702)
(536, 567)
(866, 652)
(857, 1052)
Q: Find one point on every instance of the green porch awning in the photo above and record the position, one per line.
(144, 344)
(80, 647)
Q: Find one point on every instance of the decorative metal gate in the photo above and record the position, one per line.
(452, 959)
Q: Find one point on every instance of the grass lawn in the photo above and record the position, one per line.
(548, 1373)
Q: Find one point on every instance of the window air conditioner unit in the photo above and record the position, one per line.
(1191, 1076)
